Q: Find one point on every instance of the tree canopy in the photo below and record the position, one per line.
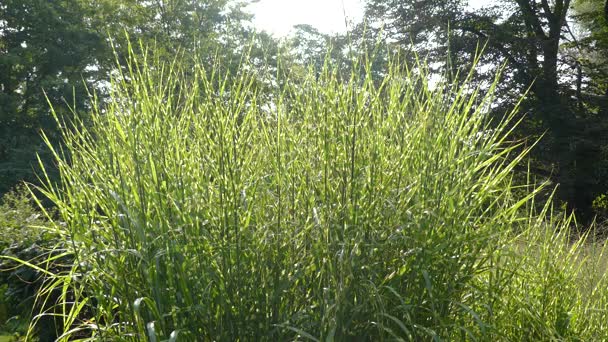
(65, 50)
(60, 52)
(536, 41)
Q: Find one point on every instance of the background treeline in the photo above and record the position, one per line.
(66, 51)
(62, 50)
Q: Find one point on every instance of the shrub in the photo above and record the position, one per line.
(343, 209)
(22, 236)
(20, 219)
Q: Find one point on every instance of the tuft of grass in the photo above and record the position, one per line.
(197, 207)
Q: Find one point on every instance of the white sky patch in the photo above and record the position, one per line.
(279, 16)
(477, 4)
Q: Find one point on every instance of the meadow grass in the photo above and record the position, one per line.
(199, 207)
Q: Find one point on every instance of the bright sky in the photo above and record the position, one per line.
(279, 16)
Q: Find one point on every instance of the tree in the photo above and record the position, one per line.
(529, 36)
(46, 51)
(192, 27)
(61, 50)
(592, 17)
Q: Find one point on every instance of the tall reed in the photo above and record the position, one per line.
(197, 207)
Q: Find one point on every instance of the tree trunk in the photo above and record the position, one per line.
(544, 23)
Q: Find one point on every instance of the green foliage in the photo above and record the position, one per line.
(601, 202)
(172, 26)
(592, 16)
(20, 220)
(565, 76)
(195, 209)
(59, 52)
(600, 206)
(46, 51)
(22, 235)
(558, 291)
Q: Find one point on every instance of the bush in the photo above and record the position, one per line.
(344, 209)
(22, 236)
(20, 219)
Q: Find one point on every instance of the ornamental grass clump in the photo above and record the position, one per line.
(199, 206)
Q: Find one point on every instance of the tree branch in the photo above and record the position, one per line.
(531, 18)
(562, 10)
(501, 48)
(547, 9)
